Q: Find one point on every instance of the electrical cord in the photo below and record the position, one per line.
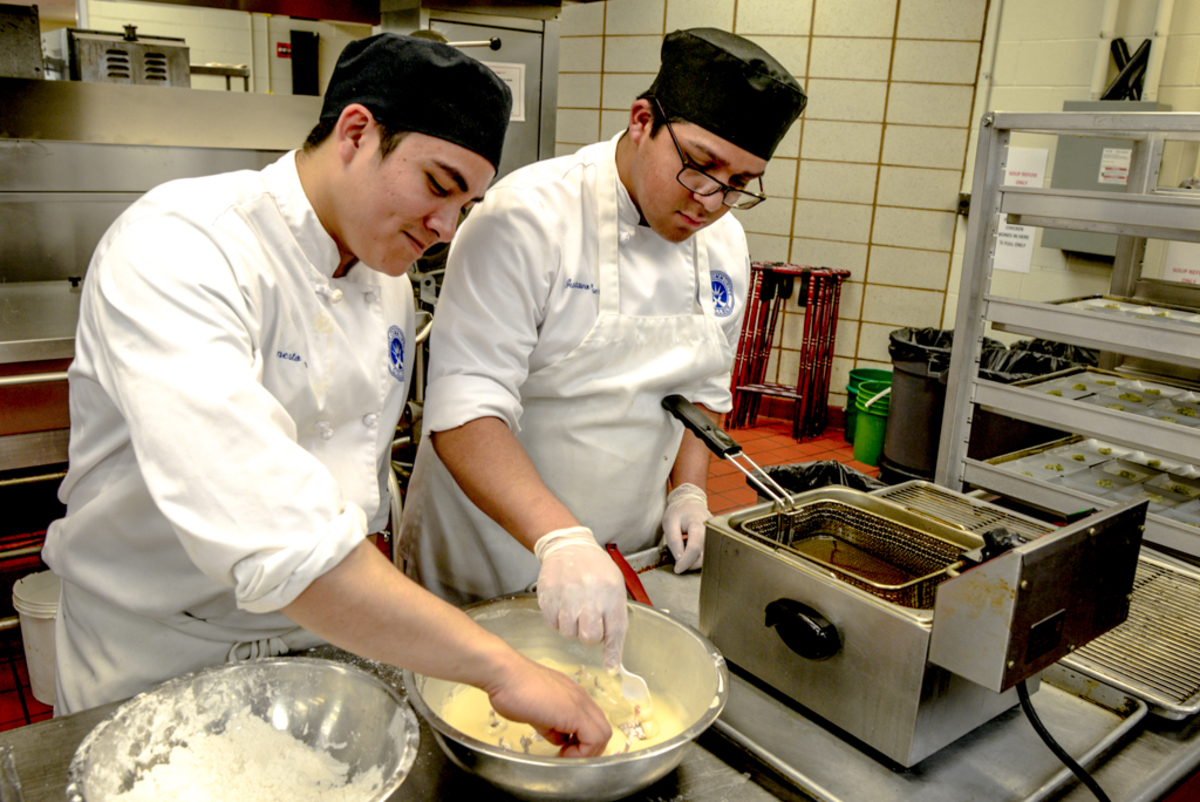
(1059, 752)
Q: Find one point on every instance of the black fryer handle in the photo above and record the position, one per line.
(803, 630)
(701, 425)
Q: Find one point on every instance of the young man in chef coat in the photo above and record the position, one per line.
(578, 295)
(243, 353)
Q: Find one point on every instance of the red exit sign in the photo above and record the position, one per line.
(283, 49)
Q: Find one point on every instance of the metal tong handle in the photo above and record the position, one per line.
(724, 446)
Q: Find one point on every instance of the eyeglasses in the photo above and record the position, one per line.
(696, 180)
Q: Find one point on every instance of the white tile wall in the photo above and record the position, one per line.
(854, 18)
(917, 188)
(930, 104)
(1181, 64)
(581, 54)
(613, 122)
(852, 293)
(837, 181)
(917, 146)
(780, 179)
(935, 62)
(582, 19)
(779, 17)
(1023, 23)
(764, 248)
(789, 146)
(700, 14)
(827, 253)
(579, 90)
(632, 53)
(848, 222)
(898, 307)
(943, 19)
(909, 267)
(913, 228)
(845, 341)
(873, 345)
(855, 101)
(1186, 19)
(772, 217)
(836, 57)
(621, 89)
(634, 16)
(578, 126)
(851, 142)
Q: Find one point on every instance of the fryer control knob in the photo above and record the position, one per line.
(803, 630)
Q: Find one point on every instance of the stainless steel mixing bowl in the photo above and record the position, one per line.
(329, 706)
(676, 661)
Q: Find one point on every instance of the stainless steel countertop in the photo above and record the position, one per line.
(1154, 758)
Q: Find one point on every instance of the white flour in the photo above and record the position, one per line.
(250, 762)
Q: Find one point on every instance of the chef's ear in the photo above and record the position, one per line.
(352, 125)
(641, 120)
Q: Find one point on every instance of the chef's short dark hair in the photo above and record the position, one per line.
(388, 139)
(658, 119)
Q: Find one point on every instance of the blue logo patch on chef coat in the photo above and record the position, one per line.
(396, 352)
(722, 289)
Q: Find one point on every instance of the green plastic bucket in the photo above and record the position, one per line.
(857, 377)
(870, 423)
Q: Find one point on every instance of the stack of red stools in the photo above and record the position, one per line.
(771, 285)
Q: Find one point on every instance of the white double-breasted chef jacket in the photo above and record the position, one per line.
(232, 412)
(566, 318)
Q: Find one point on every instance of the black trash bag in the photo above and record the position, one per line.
(1075, 354)
(802, 476)
(929, 346)
(1008, 366)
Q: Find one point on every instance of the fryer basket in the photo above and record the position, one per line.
(866, 539)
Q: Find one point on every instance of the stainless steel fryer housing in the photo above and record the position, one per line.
(876, 683)
(863, 655)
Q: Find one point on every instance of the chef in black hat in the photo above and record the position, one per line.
(582, 291)
(243, 353)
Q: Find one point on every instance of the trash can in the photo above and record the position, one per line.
(857, 377)
(802, 476)
(920, 368)
(870, 425)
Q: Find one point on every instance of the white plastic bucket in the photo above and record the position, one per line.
(35, 598)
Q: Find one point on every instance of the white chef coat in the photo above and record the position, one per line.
(522, 295)
(232, 412)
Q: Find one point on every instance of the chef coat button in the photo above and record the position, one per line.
(372, 294)
(370, 418)
(326, 434)
(335, 296)
(624, 237)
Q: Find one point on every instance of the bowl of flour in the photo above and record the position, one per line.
(271, 729)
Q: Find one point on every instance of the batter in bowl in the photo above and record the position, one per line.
(468, 709)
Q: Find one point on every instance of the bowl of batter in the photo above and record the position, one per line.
(689, 684)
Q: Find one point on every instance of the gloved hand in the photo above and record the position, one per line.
(581, 590)
(683, 526)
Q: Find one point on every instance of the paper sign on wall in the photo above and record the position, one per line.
(1026, 167)
(1183, 262)
(1114, 166)
(514, 76)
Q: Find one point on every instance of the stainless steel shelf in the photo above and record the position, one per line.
(1150, 215)
(1064, 500)
(1158, 339)
(1163, 439)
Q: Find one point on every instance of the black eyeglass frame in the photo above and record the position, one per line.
(754, 198)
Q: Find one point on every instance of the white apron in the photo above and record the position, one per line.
(592, 423)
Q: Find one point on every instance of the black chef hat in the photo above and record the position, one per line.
(419, 85)
(729, 86)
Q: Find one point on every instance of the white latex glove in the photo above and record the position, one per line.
(683, 526)
(581, 590)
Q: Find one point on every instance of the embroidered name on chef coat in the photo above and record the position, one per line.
(722, 290)
(396, 352)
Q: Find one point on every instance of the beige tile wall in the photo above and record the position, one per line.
(867, 181)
